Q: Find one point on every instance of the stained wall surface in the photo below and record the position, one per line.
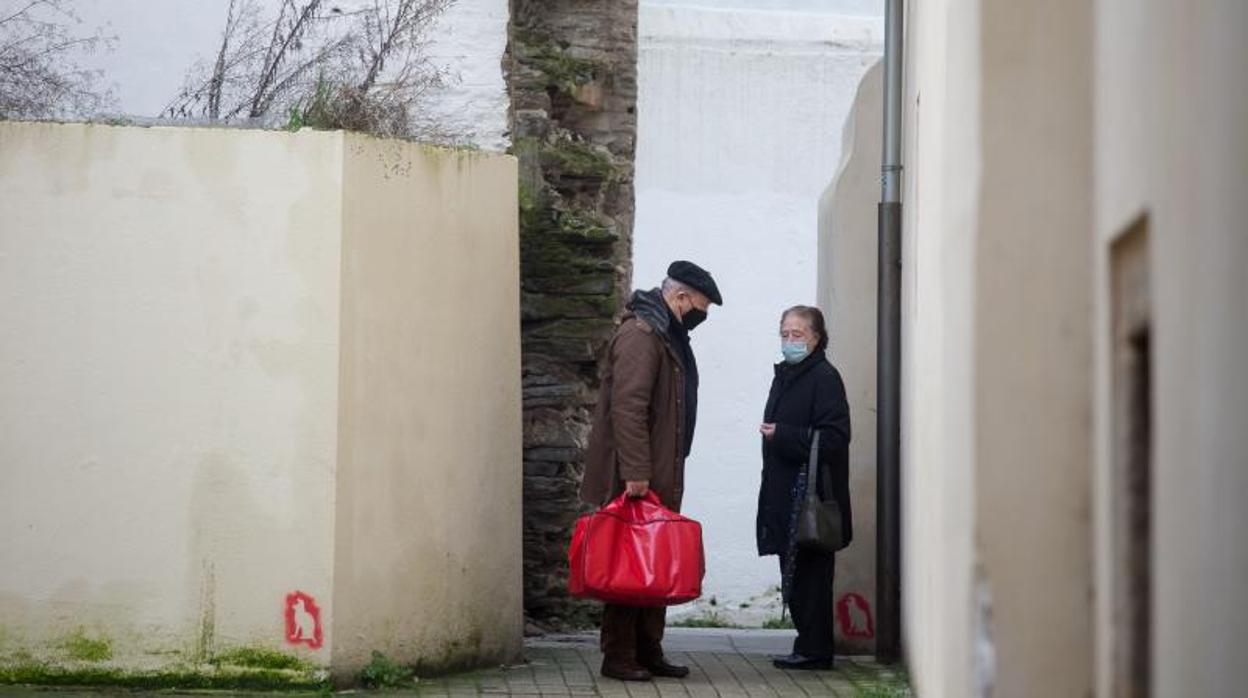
(428, 562)
(169, 386)
(246, 375)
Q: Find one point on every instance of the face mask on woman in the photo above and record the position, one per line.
(794, 352)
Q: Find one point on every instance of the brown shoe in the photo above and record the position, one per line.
(625, 672)
(666, 669)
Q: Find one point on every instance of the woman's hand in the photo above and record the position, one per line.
(767, 430)
(637, 488)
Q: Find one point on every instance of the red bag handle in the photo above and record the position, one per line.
(640, 509)
(624, 500)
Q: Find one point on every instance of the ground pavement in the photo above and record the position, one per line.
(724, 662)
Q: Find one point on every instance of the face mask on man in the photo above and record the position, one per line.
(794, 352)
(692, 318)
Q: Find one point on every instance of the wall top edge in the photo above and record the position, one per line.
(734, 25)
(156, 126)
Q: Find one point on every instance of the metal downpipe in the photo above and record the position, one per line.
(888, 368)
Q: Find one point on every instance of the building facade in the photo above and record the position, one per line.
(1073, 290)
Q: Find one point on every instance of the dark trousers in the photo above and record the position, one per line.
(632, 634)
(811, 603)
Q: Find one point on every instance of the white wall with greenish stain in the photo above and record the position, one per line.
(238, 364)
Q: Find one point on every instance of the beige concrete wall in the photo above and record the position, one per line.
(428, 526)
(994, 596)
(939, 227)
(168, 383)
(1033, 344)
(1036, 135)
(847, 294)
(240, 364)
(996, 359)
(1171, 150)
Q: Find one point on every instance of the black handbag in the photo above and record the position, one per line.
(819, 522)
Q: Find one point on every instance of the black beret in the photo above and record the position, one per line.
(697, 278)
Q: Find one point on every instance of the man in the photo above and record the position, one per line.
(641, 435)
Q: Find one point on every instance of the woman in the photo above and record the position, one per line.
(806, 395)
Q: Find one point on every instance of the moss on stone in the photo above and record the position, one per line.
(565, 156)
(535, 211)
(554, 63)
(79, 647)
(569, 157)
(582, 226)
(259, 658)
(543, 306)
(875, 681)
(42, 674)
(383, 672)
(575, 329)
(589, 283)
(453, 657)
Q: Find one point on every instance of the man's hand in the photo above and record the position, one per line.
(767, 430)
(637, 488)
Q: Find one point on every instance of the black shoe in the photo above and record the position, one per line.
(666, 669)
(625, 672)
(802, 662)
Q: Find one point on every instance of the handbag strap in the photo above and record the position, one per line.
(812, 467)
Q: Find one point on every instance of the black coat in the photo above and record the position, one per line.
(809, 394)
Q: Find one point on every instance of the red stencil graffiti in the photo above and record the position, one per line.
(854, 614)
(303, 620)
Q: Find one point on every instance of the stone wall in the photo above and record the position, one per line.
(571, 69)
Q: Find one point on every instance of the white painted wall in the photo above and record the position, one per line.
(939, 233)
(739, 129)
(239, 363)
(157, 42)
(168, 383)
(848, 283)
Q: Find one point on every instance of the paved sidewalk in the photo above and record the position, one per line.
(724, 662)
(728, 663)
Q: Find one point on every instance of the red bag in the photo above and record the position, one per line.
(636, 552)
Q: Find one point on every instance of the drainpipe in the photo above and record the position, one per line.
(888, 370)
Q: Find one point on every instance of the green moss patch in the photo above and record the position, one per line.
(579, 160)
(784, 623)
(558, 68)
(383, 672)
(564, 156)
(40, 674)
(259, 658)
(872, 680)
(242, 668)
(454, 657)
(709, 620)
(82, 648)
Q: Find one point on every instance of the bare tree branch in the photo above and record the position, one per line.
(39, 73)
(356, 64)
(276, 54)
(217, 80)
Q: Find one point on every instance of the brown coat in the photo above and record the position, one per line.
(638, 428)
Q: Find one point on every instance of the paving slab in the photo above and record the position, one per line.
(729, 640)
